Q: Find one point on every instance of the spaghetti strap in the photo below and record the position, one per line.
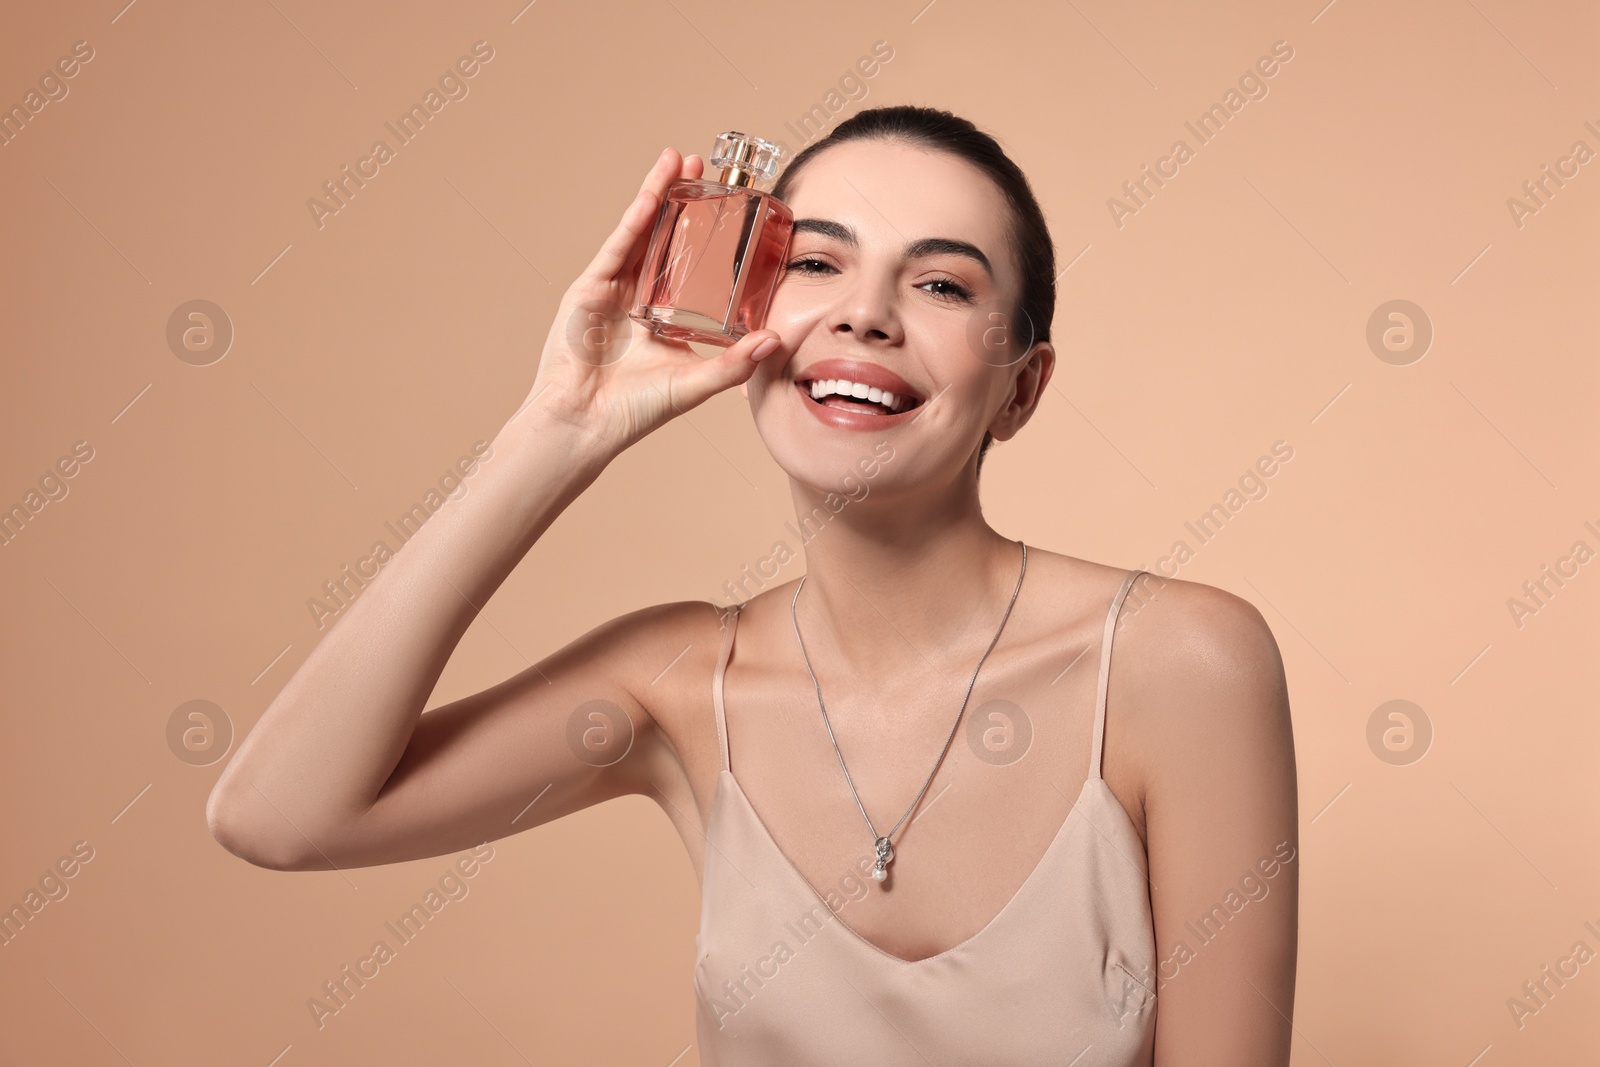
(1095, 755)
(730, 622)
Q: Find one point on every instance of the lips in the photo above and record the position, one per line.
(861, 372)
(841, 415)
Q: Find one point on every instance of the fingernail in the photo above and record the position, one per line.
(764, 349)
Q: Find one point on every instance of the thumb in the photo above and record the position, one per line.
(735, 364)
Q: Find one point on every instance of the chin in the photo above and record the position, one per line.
(853, 466)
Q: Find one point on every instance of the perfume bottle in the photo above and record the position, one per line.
(718, 248)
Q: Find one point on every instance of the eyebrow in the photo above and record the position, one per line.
(927, 246)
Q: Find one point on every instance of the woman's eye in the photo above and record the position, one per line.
(797, 265)
(950, 289)
(953, 290)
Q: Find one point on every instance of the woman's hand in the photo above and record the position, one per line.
(611, 377)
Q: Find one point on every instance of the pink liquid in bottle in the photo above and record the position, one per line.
(717, 252)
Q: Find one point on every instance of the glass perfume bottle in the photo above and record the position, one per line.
(717, 250)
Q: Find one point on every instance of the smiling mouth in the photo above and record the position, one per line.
(825, 394)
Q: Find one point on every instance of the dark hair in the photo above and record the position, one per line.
(941, 130)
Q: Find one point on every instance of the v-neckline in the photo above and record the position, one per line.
(726, 773)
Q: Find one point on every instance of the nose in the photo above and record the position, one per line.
(868, 310)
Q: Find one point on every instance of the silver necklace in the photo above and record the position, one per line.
(881, 844)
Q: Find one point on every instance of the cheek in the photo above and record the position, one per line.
(945, 346)
(794, 310)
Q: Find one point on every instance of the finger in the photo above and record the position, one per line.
(691, 169)
(733, 367)
(637, 220)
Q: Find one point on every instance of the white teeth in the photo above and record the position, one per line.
(830, 386)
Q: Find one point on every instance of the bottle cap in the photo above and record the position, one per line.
(744, 159)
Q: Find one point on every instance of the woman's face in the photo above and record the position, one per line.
(901, 260)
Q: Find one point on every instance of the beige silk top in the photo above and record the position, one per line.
(1053, 979)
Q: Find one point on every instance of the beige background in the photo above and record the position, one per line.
(1228, 313)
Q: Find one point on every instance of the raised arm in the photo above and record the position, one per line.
(343, 769)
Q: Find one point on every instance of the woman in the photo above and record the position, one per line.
(1101, 835)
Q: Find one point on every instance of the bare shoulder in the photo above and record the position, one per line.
(1200, 675)
(653, 661)
(1188, 637)
(664, 651)
(664, 655)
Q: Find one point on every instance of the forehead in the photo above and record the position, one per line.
(897, 192)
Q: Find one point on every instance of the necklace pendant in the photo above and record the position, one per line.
(885, 855)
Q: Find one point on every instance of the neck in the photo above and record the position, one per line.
(896, 587)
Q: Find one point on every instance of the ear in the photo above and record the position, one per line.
(1027, 390)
